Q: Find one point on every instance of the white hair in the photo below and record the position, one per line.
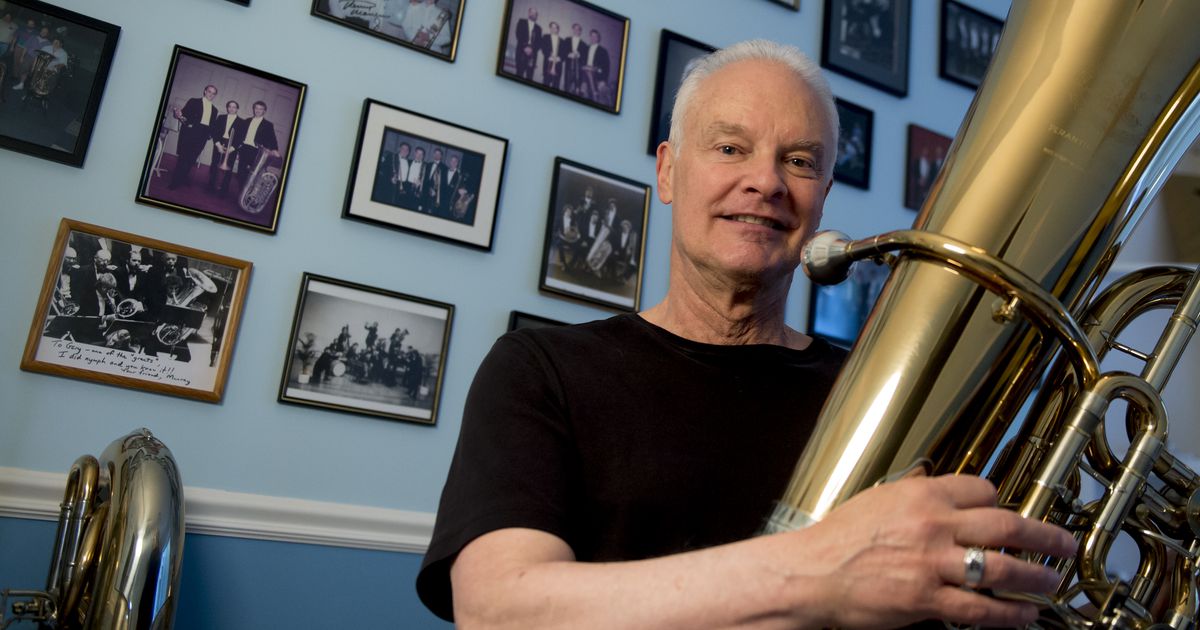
(755, 49)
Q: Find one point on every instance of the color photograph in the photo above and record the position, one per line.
(430, 26)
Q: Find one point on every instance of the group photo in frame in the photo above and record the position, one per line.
(54, 64)
(430, 26)
(518, 320)
(136, 312)
(968, 41)
(366, 350)
(868, 42)
(222, 141)
(568, 47)
(595, 236)
(426, 176)
(676, 55)
(853, 164)
(837, 312)
(926, 154)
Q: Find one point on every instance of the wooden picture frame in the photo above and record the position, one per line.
(456, 201)
(925, 156)
(435, 30)
(51, 93)
(675, 55)
(589, 254)
(968, 41)
(132, 311)
(855, 140)
(868, 42)
(245, 185)
(573, 71)
(329, 366)
(837, 312)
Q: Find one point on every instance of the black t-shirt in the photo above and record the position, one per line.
(625, 441)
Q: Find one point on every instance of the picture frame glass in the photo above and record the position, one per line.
(969, 39)
(676, 55)
(868, 42)
(429, 26)
(838, 312)
(855, 140)
(927, 152)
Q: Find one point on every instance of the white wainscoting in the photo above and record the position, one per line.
(36, 495)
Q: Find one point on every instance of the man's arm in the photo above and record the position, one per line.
(891, 556)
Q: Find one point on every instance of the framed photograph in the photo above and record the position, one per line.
(222, 141)
(676, 54)
(365, 350)
(430, 26)
(926, 153)
(837, 312)
(426, 176)
(853, 164)
(969, 38)
(791, 4)
(868, 42)
(595, 236)
(127, 310)
(568, 47)
(53, 67)
(518, 320)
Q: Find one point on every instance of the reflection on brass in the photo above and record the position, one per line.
(1086, 108)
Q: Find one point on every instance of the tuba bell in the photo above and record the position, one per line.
(1084, 112)
(260, 185)
(119, 546)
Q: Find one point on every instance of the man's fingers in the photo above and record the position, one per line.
(999, 528)
(1000, 571)
(961, 606)
(966, 491)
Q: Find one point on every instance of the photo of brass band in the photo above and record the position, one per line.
(430, 26)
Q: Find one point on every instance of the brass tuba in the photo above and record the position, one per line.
(260, 185)
(119, 547)
(1084, 112)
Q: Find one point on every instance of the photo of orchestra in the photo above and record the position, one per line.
(157, 308)
(424, 176)
(594, 247)
(221, 146)
(868, 41)
(50, 66)
(427, 25)
(568, 47)
(926, 154)
(969, 39)
(366, 350)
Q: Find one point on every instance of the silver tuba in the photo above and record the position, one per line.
(261, 184)
(119, 547)
(1085, 110)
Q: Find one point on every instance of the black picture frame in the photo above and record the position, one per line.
(572, 79)
(136, 312)
(675, 54)
(328, 367)
(245, 188)
(244, 3)
(853, 165)
(868, 42)
(837, 312)
(574, 259)
(463, 214)
(926, 153)
(436, 33)
(791, 4)
(518, 320)
(54, 112)
(968, 40)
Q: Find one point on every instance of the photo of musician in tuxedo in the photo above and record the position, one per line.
(445, 186)
(586, 65)
(239, 145)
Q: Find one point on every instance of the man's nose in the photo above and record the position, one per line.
(765, 176)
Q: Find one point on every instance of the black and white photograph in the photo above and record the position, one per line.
(676, 55)
(853, 165)
(927, 151)
(969, 38)
(595, 236)
(518, 320)
(867, 40)
(127, 310)
(837, 312)
(569, 47)
(366, 350)
(222, 141)
(54, 65)
(430, 26)
(426, 176)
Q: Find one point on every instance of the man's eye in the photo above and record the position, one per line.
(800, 162)
(726, 149)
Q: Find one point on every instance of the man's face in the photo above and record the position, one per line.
(532, 15)
(259, 110)
(437, 155)
(404, 151)
(420, 155)
(231, 108)
(453, 161)
(171, 258)
(751, 176)
(135, 259)
(553, 28)
(595, 37)
(210, 92)
(577, 30)
(102, 259)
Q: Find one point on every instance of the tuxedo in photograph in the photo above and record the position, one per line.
(193, 136)
(401, 170)
(415, 183)
(553, 47)
(529, 37)
(384, 190)
(223, 134)
(435, 182)
(576, 55)
(133, 283)
(247, 148)
(454, 180)
(596, 58)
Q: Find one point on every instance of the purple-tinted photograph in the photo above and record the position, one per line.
(223, 141)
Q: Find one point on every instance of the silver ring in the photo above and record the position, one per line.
(973, 563)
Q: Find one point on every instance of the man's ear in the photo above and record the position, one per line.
(664, 162)
(828, 187)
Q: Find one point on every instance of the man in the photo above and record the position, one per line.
(134, 282)
(258, 134)
(595, 70)
(26, 43)
(552, 58)
(400, 176)
(416, 177)
(224, 158)
(8, 32)
(195, 120)
(435, 178)
(612, 474)
(529, 39)
(576, 49)
(450, 187)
